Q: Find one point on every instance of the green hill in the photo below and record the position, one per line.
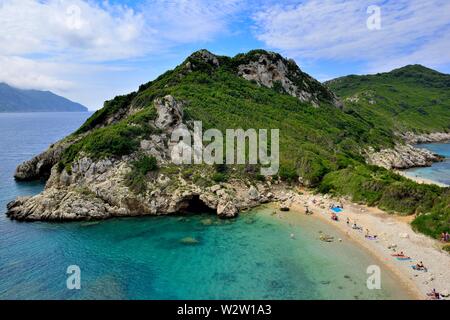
(314, 139)
(413, 98)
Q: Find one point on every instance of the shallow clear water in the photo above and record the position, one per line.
(195, 257)
(439, 171)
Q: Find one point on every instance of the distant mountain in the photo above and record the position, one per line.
(18, 100)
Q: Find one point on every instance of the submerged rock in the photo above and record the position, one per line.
(189, 240)
(207, 222)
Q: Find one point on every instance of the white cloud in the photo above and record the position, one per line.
(412, 31)
(75, 28)
(90, 31)
(46, 44)
(26, 73)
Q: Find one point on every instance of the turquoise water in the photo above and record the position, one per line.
(439, 171)
(194, 257)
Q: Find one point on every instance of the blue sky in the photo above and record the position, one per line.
(90, 51)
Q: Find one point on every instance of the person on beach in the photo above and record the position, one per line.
(307, 212)
(356, 227)
(420, 266)
(401, 254)
(445, 237)
(348, 221)
(434, 294)
(334, 217)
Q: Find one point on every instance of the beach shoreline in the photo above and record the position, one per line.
(391, 230)
(421, 180)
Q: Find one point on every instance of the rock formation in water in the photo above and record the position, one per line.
(402, 156)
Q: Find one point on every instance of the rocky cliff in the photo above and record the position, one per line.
(413, 138)
(98, 189)
(270, 70)
(402, 156)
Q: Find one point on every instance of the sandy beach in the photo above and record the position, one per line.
(394, 234)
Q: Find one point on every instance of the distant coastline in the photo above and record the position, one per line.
(13, 100)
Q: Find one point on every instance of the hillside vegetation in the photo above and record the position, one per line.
(413, 98)
(322, 145)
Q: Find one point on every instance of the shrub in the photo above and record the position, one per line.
(136, 179)
(287, 173)
(145, 164)
(219, 177)
(109, 108)
(260, 177)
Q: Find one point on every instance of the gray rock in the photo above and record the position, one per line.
(271, 68)
(402, 157)
(253, 193)
(226, 210)
(170, 112)
(215, 188)
(40, 166)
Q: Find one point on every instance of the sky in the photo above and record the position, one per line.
(90, 51)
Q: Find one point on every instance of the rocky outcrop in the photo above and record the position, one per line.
(202, 56)
(98, 189)
(170, 113)
(270, 70)
(413, 138)
(40, 166)
(402, 157)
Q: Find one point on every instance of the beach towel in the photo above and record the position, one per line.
(336, 209)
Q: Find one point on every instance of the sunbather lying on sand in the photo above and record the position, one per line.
(401, 254)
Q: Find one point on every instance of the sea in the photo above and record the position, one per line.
(439, 171)
(259, 255)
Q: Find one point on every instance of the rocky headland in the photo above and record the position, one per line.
(99, 188)
(119, 162)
